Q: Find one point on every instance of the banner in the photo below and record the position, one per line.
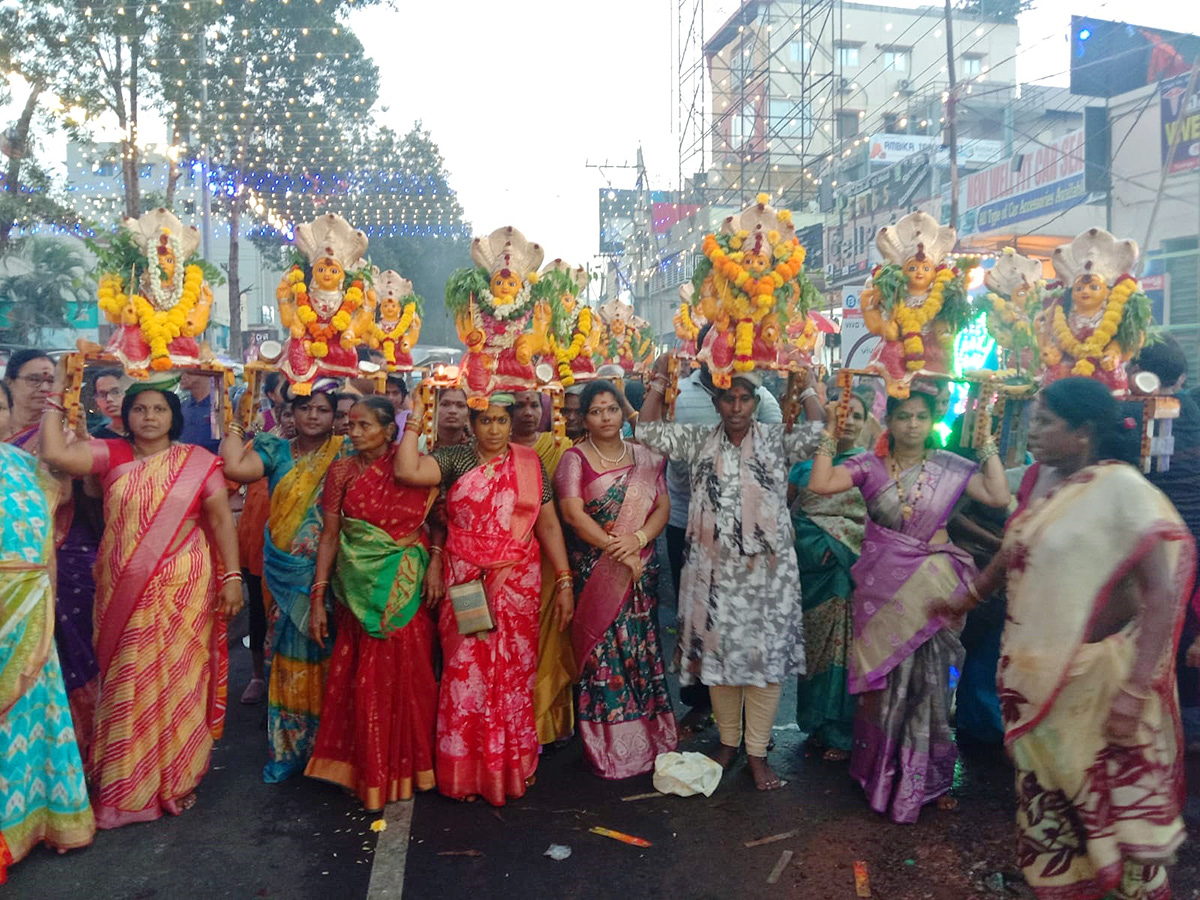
(1180, 124)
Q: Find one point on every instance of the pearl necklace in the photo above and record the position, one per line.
(606, 460)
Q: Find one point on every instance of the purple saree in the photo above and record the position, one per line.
(904, 752)
(625, 716)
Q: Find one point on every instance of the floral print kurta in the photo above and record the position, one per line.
(739, 594)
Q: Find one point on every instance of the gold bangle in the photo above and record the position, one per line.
(641, 538)
(436, 549)
(827, 445)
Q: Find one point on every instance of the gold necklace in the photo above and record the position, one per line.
(607, 460)
(909, 499)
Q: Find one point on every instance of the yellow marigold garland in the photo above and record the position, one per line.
(1087, 352)
(567, 355)
(160, 327)
(912, 322)
(689, 328)
(394, 334)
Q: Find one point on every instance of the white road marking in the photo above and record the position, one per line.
(391, 853)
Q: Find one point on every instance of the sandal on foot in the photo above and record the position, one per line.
(254, 692)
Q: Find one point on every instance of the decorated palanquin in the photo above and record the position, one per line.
(576, 338)
(1012, 302)
(152, 288)
(627, 339)
(754, 292)
(504, 324)
(1096, 319)
(916, 300)
(328, 310)
(399, 325)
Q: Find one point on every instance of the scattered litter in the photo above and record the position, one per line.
(379, 825)
(620, 836)
(784, 858)
(460, 853)
(862, 881)
(686, 774)
(650, 796)
(910, 862)
(782, 836)
(557, 852)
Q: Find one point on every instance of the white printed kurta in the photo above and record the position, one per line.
(739, 595)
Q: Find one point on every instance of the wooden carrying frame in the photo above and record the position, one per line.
(77, 365)
(444, 377)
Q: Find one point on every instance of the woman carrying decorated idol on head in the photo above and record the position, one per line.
(376, 735)
(167, 579)
(903, 753)
(296, 471)
(500, 518)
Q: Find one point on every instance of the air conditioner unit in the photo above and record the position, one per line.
(843, 83)
(904, 85)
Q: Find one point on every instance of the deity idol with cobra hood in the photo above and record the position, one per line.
(1096, 321)
(326, 317)
(153, 289)
(916, 301)
(399, 325)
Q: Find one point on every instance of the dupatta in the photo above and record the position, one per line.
(289, 574)
(1107, 517)
(379, 570)
(610, 584)
(26, 589)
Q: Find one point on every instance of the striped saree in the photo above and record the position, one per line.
(159, 642)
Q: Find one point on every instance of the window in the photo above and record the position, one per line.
(847, 55)
(742, 66)
(790, 120)
(741, 126)
(799, 51)
(972, 66)
(847, 124)
(896, 60)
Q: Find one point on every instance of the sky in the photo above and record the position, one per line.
(538, 104)
(523, 96)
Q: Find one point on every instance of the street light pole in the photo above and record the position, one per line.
(951, 129)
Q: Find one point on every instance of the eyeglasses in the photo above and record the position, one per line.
(113, 394)
(34, 380)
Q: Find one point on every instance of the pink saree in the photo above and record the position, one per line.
(487, 742)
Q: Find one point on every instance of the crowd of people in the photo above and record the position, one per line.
(435, 611)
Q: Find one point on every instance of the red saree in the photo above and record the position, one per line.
(377, 717)
(487, 742)
(159, 642)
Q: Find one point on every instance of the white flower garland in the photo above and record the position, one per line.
(160, 300)
(518, 307)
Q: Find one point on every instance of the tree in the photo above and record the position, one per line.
(285, 83)
(995, 10)
(397, 190)
(40, 278)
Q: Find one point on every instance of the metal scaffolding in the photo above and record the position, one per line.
(758, 100)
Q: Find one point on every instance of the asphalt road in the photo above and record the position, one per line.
(305, 839)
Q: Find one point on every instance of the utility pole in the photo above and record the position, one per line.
(951, 129)
(205, 200)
